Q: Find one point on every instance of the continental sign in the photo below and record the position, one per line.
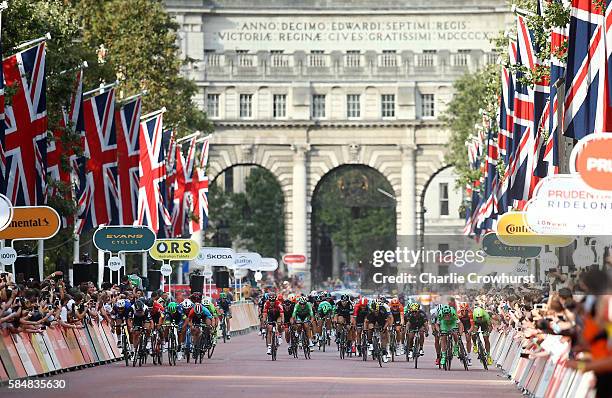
(174, 249)
(32, 223)
(495, 248)
(122, 238)
(513, 231)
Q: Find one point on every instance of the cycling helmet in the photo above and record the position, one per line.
(139, 306)
(272, 297)
(222, 295)
(157, 307)
(279, 297)
(363, 301)
(464, 307)
(291, 297)
(198, 309)
(313, 293)
(446, 309)
(479, 312)
(414, 307)
(206, 302)
(172, 307)
(187, 304)
(302, 300)
(121, 303)
(374, 306)
(265, 296)
(394, 302)
(328, 295)
(344, 297)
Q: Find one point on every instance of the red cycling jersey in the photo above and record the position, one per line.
(277, 307)
(359, 307)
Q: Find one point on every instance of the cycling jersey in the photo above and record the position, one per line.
(212, 309)
(139, 319)
(466, 319)
(302, 312)
(201, 318)
(324, 309)
(274, 310)
(288, 307)
(446, 325)
(177, 317)
(396, 311)
(344, 310)
(379, 317)
(415, 320)
(224, 304)
(484, 321)
(123, 313)
(360, 312)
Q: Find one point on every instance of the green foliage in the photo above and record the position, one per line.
(253, 219)
(348, 207)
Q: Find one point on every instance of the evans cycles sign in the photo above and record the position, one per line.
(495, 248)
(117, 239)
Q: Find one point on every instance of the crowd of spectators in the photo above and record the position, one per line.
(574, 308)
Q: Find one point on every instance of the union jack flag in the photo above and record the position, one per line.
(487, 213)
(25, 134)
(98, 192)
(152, 175)
(127, 119)
(72, 121)
(199, 191)
(526, 113)
(183, 186)
(585, 98)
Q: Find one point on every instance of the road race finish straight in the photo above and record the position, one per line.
(174, 249)
(32, 222)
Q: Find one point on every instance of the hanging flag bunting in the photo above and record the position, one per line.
(127, 120)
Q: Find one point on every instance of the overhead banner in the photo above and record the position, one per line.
(32, 223)
(123, 238)
(592, 159)
(174, 249)
(268, 264)
(564, 205)
(513, 231)
(496, 248)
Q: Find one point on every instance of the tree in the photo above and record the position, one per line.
(141, 52)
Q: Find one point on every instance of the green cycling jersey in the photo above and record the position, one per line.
(448, 323)
(302, 312)
(325, 308)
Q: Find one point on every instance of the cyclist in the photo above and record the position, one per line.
(303, 314)
(482, 321)
(225, 305)
(324, 315)
(272, 314)
(262, 303)
(398, 321)
(208, 303)
(448, 323)
(360, 312)
(186, 306)
(140, 319)
(342, 316)
(314, 299)
(121, 313)
(435, 330)
(380, 316)
(416, 321)
(198, 317)
(174, 315)
(465, 316)
(288, 306)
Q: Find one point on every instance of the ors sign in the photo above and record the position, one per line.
(117, 239)
(174, 249)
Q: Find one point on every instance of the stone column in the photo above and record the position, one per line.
(406, 207)
(299, 202)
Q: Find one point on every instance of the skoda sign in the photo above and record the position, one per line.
(215, 257)
(123, 238)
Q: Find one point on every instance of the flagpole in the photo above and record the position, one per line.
(522, 12)
(143, 263)
(100, 267)
(33, 42)
(76, 257)
(41, 259)
(187, 137)
(83, 65)
(102, 88)
(141, 94)
(152, 114)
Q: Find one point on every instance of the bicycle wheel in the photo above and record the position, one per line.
(125, 350)
(274, 345)
(377, 350)
(481, 354)
(364, 347)
(223, 330)
(415, 353)
(463, 355)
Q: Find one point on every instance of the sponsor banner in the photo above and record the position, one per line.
(215, 257)
(174, 249)
(592, 159)
(565, 205)
(294, 259)
(513, 231)
(6, 212)
(123, 238)
(268, 264)
(247, 261)
(32, 222)
(495, 248)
